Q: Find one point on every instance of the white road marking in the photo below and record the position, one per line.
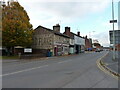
(31, 69)
(23, 70)
(25, 63)
(64, 61)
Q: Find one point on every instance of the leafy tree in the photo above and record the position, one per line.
(17, 30)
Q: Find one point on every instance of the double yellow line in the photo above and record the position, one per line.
(102, 67)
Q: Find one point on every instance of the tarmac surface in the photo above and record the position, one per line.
(110, 63)
(75, 71)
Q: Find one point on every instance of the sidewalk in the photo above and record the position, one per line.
(34, 59)
(113, 66)
(22, 60)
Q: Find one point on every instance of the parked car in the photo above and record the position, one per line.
(97, 50)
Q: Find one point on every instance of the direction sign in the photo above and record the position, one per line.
(111, 21)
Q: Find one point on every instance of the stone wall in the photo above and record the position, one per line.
(42, 38)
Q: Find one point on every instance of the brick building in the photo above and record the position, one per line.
(88, 44)
(78, 41)
(72, 41)
(45, 40)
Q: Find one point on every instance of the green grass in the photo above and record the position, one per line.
(9, 57)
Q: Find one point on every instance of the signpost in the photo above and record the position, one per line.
(113, 21)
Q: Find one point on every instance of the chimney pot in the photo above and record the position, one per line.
(67, 31)
(78, 33)
(56, 28)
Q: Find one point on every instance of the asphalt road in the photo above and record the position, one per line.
(77, 71)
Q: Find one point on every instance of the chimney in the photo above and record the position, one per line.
(78, 33)
(67, 31)
(56, 28)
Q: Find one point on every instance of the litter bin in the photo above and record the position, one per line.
(48, 54)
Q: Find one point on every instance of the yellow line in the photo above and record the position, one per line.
(103, 69)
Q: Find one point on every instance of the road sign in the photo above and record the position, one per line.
(111, 21)
(27, 50)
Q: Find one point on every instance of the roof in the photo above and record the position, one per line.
(57, 33)
(71, 36)
(75, 34)
(18, 47)
(44, 28)
(60, 34)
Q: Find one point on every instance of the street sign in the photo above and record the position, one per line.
(111, 21)
(27, 50)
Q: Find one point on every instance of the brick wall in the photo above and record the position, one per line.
(88, 43)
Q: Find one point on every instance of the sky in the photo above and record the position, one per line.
(90, 17)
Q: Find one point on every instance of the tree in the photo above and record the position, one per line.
(17, 30)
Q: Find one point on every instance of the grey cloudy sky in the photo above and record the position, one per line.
(81, 15)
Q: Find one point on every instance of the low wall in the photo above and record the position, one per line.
(36, 53)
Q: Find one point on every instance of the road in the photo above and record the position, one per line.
(76, 71)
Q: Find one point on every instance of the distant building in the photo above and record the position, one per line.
(119, 15)
(72, 41)
(88, 44)
(97, 45)
(45, 40)
(117, 36)
(79, 42)
(95, 41)
(117, 41)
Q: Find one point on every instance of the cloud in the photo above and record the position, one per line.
(67, 10)
(49, 12)
(32, 1)
(103, 38)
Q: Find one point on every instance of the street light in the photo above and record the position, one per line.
(113, 21)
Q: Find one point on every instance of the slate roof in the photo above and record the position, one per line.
(56, 33)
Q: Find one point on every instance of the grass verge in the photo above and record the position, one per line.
(9, 57)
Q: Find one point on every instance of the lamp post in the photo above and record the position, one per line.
(113, 31)
(113, 21)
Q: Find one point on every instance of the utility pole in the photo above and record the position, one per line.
(113, 21)
(113, 31)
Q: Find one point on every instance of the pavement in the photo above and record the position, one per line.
(110, 64)
(40, 58)
(34, 59)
